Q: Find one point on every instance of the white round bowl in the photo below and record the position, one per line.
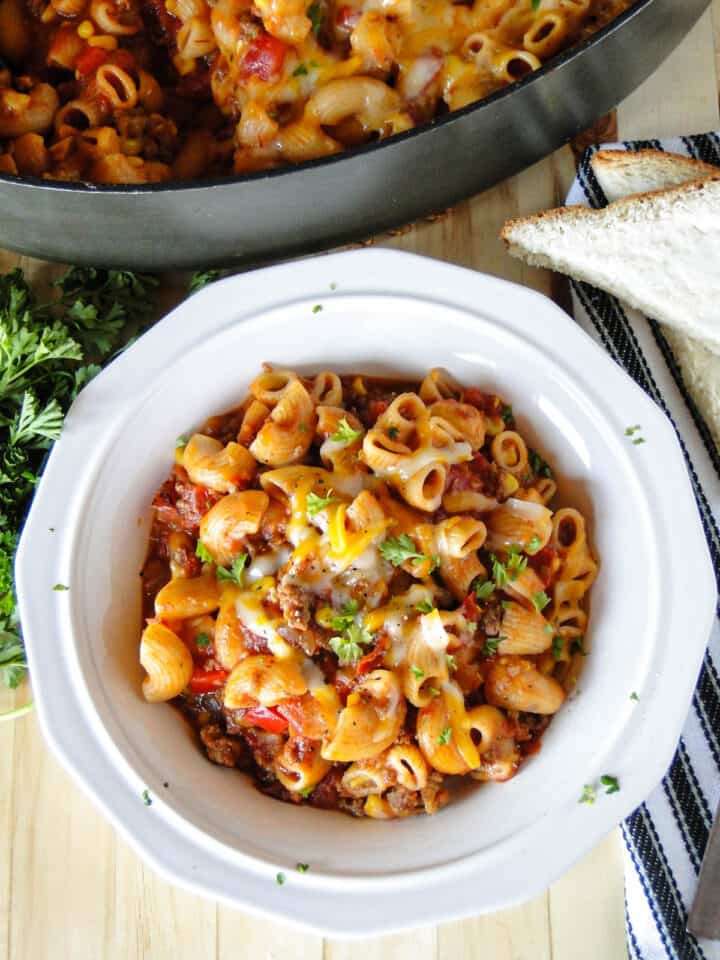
(208, 828)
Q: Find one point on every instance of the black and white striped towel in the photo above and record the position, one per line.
(665, 838)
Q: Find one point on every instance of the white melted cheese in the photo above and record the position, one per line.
(252, 614)
(459, 452)
(266, 565)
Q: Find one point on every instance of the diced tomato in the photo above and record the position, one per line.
(123, 59)
(205, 681)
(264, 57)
(375, 658)
(477, 474)
(267, 718)
(470, 609)
(304, 716)
(545, 564)
(347, 17)
(89, 60)
(376, 408)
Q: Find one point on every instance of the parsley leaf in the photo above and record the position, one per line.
(451, 661)
(425, 606)
(558, 647)
(589, 794)
(634, 696)
(315, 503)
(315, 15)
(280, 878)
(201, 278)
(578, 646)
(516, 562)
(535, 4)
(202, 640)
(60, 586)
(302, 867)
(392, 432)
(318, 306)
(612, 784)
(181, 441)
(484, 589)
(540, 467)
(203, 553)
(396, 550)
(235, 573)
(146, 798)
(629, 431)
(301, 71)
(349, 648)
(417, 672)
(534, 544)
(444, 737)
(345, 433)
(342, 621)
(540, 600)
(507, 414)
(491, 645)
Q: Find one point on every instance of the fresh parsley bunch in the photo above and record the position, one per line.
(47, 353)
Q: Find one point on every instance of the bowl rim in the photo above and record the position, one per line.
(365, 272)
(556, 62)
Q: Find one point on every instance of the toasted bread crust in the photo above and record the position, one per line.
(696, 169)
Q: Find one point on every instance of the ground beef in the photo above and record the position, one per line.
(491, 619)
(221, 749)
(477, 474)
(402, 801)
(264, 746)
(295, 603)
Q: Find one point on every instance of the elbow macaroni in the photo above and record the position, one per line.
(366, 582)
(280, 81)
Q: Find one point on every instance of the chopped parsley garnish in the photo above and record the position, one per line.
(235, 573)
(201, 278)
(425, 606)
(516, 562)
(315, 503)
(558, 647)
(548, 628)
(146, 798)
(396, 550)
(341, 621)
(578, 646)
(638, 440)
(634, 696)
(540, 601)
(60, 586)
(301, 71)
(451, 661)
(302, 867)
(434, 692)
(318, 306)
(202, 640)
(392, 432)
(535, 4)
(280, 879)
(345, 433)
(306, 791)
(629, 431)
(333, 286)
(349, 647)
(540, 467)
(444, 738)
(507, 413)
(417, 672)
(589, 794)
(611, 784)
(506, 604)
(316, 18)
(534, 544)
(181, 441)
(484, 589)
(203, 553)
(491, 645)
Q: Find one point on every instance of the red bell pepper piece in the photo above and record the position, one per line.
(205, 681)
(264, 57)
(89, 60)
(268, 718)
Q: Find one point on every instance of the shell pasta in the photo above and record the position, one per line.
(145, 91)
(358, 588)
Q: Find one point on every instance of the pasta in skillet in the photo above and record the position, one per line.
(143, 91)
(357, 588)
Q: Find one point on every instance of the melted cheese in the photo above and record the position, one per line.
(458, 452)
(251, 612)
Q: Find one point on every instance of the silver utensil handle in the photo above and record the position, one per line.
(704, 919)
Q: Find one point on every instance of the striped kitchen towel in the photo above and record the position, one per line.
(665, 838)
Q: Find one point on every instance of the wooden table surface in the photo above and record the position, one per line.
(71, 889)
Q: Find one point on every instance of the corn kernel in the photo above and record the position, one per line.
(105, 42)
(85, 29)
(509, 484)
(48, 14)
(171, 7)
(324, 616)
(359, 386)
(132, 147)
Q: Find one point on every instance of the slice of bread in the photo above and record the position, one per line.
(623, 172)
(701, 374)
(659, 252)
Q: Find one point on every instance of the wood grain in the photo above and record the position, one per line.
(70, 887)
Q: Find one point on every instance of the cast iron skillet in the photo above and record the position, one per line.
(321, 203)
